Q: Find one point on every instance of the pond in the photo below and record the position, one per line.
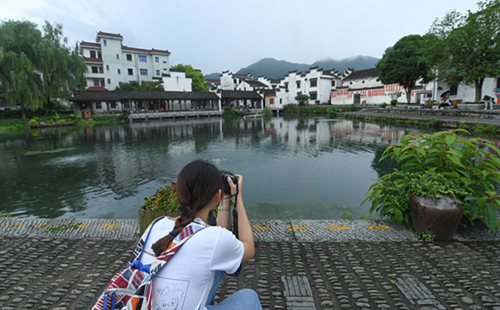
(311, 168)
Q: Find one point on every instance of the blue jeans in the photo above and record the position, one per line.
(245, 299)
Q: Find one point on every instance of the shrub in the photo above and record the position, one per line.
(267, 112)
(394, 102)
(332, 111)
(165, 198)
(302, 99)
(231, 113)
(383, 105)
(33, 122)
(353, 108)
(468, 169)
(464, 125)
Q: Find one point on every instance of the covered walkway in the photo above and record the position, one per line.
(241, 99)
(145, 101)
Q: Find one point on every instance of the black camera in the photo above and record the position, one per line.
(225, 174)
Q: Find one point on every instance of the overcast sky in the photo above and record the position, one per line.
(220, 35)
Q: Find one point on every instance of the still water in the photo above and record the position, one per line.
(293, 168)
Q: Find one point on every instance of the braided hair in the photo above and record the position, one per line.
(197, 184)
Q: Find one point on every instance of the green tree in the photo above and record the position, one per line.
(20, 61)
(145, 85)
(63, 68)
(302, 99)
(36, 68)
(466, 47)
(199, 83)
(404, 64)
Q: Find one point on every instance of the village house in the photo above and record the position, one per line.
(111, 63)
(365, 87)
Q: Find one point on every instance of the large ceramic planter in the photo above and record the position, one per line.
(147, 216)
(436, 216)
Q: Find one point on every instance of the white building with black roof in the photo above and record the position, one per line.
(358, 86)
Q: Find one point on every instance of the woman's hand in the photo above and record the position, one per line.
(239, 177)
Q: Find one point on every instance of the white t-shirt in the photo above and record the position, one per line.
(185, 282)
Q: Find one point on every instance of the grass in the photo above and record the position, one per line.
(63, 227)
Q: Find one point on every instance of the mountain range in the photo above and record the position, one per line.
(276, 69)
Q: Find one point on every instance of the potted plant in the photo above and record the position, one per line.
(468, 169)
(163, 202)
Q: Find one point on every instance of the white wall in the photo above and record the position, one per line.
(177, 81)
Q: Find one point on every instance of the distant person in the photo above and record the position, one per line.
(487, 99)
(446, 102)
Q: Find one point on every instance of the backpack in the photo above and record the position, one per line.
(130, 289)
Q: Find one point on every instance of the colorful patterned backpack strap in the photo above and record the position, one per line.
(142, 299)
(126, 282)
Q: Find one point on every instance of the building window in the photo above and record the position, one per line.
(142, 58)
(165, 69)
(129, 57)
(119, 71)
(130, 71)
(281, 100)
(453, 90)
(92, 54)
(313, 82)
(113, 104)
(101, 70)
(164, 61)
(157, 72)
(99, 55)
(117, 56)
(97, 83)
(107, 67)
(498, 82)
(109, 81)
(333, 83)
(95, 69)
(314, 96)
(157, 59)
(298, 84)
(105, 43)
(271, 100)
(144, 71)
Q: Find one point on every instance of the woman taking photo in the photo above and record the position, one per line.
(192, 276)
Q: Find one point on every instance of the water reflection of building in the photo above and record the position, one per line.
(320, 133)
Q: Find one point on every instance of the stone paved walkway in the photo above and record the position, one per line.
(338, 264)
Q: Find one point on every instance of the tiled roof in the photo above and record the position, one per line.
(256, 84)
(362, 74)
(240, 94)
(121, 95)
(107, 34)
(99, 95)
(94, 88)
(213, 81)
(142, 50)
(90, 44)
(171, 95)
(366, 88)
